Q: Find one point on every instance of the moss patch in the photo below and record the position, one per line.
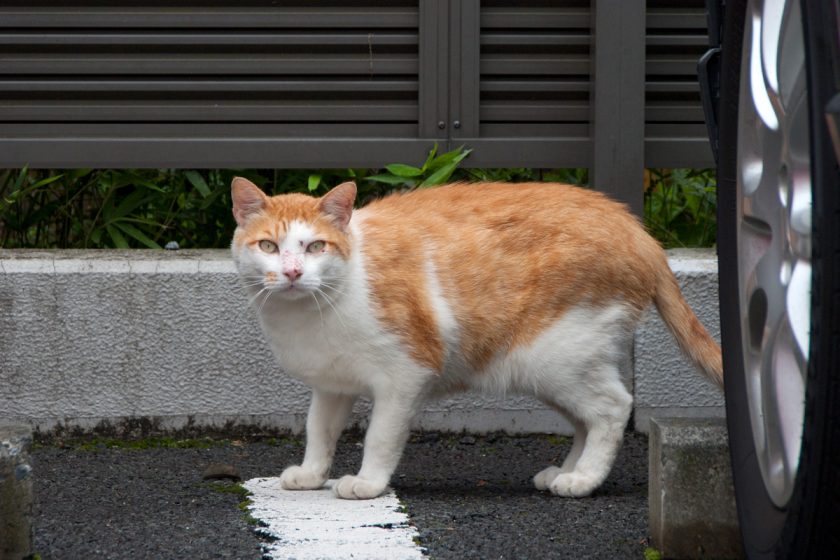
(556, 440)
(652, 554)
(97, 444)
(224, 488)
(238, 490)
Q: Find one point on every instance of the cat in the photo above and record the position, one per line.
(532, 288)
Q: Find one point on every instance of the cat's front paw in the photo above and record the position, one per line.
(572, 485)
(355, 488)
(298, 478)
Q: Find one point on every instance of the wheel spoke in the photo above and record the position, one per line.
(790, 59)
(783, 394)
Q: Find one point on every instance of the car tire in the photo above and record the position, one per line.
(801, 519)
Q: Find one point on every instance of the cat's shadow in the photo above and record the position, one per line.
(442, 489)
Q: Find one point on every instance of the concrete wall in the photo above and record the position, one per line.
(87, 336)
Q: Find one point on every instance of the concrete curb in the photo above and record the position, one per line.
(105, 336)
(690, 493)
(15, 493)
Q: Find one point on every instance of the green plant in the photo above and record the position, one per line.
(680, 206)
(114, 208)
(652, 554)
(130, 208)
(571, 176)
(436, 170)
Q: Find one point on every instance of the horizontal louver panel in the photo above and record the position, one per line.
(676, 38)
(534, 68)
(300, 14)
(328, 63)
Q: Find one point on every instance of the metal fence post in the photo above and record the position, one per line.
(464, 70)
(618, 100)
(433, 37)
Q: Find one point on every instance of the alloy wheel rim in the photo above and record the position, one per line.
(774, 236)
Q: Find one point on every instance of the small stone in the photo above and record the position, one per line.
(468, 440)
(427, 437)
(172, 246)
(221, 471)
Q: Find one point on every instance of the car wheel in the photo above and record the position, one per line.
(778, 237)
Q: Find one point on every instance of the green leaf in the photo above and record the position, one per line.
(196, 180)
(41, 215)
(117, 237)
(431, 157)
(313, 182)
(440, 176)
(129, 204)
(391, 180)
(402, 170)
(455, 156)
(46, 181)
(137, 234)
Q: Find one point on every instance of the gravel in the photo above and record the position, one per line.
(469, 496)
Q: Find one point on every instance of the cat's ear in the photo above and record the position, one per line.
(247, 199)
(338, 204)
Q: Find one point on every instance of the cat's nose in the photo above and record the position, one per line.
(292, 274)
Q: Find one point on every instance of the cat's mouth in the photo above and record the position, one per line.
(292, 291)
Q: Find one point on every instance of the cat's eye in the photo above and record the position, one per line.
(315, 247)
(268, 246)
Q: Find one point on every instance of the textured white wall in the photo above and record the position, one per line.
(666, 384)
(87, 336)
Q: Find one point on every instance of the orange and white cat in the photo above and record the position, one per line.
(528, 288)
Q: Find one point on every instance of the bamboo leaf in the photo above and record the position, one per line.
(132, 231)
(313, 182)
(402, 170)
(116, 237)
(46, 181)
(21, 178)
(455, 156)
(430, 158)
(440, 176)
(196, 180)
(391, 180)
(129, 204)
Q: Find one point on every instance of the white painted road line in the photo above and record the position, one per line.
(314, 524)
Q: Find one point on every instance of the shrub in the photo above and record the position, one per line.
(127, 208)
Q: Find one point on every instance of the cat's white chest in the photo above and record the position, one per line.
(311, 348)
(337, 346)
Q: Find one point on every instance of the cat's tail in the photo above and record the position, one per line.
(691, 335)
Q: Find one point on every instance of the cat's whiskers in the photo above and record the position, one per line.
(332, 287)
(268, 291)
(255, 296)
(250, 281)
(319, 307)
(334, 308)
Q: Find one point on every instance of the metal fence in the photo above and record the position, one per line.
(606, 84)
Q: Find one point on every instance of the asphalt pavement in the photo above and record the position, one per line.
(468, 496)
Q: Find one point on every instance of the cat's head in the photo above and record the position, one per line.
(293, 245)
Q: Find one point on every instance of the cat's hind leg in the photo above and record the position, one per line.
(328, 414)
(547, 475)
(604, 413)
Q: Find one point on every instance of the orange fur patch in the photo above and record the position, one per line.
(511, 259)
